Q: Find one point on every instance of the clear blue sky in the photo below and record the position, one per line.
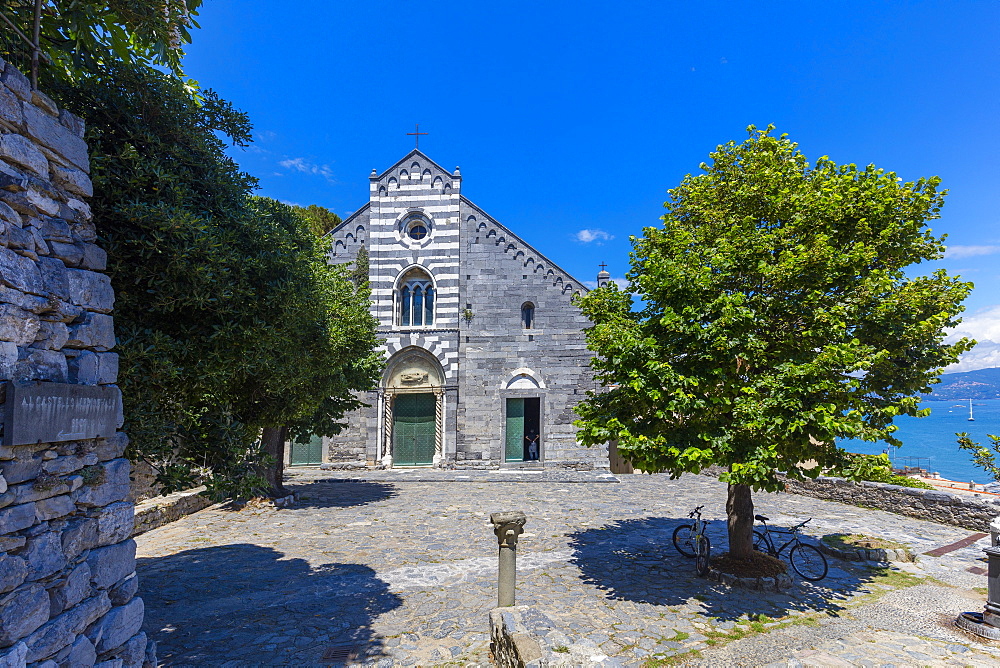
(570, 120)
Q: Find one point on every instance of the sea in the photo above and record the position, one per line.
(930, 442)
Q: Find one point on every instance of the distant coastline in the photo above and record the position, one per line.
(930, 442)
(979, 384)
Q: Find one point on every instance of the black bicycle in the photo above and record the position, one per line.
(807, 561)
(691, 541)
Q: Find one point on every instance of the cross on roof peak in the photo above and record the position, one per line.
(603, 266)
(417, 134)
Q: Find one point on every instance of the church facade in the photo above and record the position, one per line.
(485, 353)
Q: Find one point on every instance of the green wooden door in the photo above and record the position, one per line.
(514, 433)
(307, 453)
(413, 429)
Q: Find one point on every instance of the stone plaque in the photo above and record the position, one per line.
(54, 412)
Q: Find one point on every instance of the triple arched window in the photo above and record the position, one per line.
(415, 299)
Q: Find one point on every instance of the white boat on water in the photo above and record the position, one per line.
(971, 419)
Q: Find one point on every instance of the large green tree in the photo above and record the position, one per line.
(776, 317)
(82, 37)
(229, 318)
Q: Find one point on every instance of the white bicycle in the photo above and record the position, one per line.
(691, 541)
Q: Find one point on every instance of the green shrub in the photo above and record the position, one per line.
(876, 468)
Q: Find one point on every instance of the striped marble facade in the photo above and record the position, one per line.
(482, 274)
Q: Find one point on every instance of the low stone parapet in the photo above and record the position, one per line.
(156, 512)
(876, 555)
(970, 513)
(777, 583)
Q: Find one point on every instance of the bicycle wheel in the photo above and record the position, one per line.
(808, 562)
(684, 540)
(701, 562)
(759, 542)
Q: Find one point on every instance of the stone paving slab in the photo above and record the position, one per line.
(388, 569)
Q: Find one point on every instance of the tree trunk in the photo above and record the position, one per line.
(273, 445)
(739, 511)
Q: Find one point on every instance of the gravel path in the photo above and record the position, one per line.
(399, 568)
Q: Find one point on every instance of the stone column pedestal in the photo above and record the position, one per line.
(507, 526)
(986, 624)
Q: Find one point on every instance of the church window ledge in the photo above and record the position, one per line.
(396, 329)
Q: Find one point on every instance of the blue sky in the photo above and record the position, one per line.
(571, 120)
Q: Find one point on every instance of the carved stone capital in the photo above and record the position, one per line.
(508, 526)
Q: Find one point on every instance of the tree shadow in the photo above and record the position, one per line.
(329, 493)
(245, 603)
(340, 493)
(635, 560)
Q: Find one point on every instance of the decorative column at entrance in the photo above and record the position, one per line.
(413, 412)
(387, 430)
(438, 427)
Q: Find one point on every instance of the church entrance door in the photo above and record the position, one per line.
(413, 429)
(522, 442)
(308, 452)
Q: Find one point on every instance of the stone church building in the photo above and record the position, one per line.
(485, 354)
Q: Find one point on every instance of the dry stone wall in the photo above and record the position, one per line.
(67, 559)
(968, 512)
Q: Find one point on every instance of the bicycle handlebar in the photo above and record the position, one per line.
(792, 529)
(695, 511)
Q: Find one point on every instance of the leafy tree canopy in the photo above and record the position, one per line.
(85, 37)
(228, 315)
(776, 317)
(321, 220)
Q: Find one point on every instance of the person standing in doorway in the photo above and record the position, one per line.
(532, 438)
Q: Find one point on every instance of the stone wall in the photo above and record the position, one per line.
(67, 560)
(973, 513)
(521, 636)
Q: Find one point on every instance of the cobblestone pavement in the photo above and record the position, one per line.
(399, 568)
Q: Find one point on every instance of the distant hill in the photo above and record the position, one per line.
(979, 384)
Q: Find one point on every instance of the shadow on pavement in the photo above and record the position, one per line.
(245, 603)
(334, 493)
(635, 560)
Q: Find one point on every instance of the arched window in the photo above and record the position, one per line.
(528, 315)
(415, 299)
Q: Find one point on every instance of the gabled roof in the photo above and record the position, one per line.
(409, 156)
(351, 217)
(527, 246)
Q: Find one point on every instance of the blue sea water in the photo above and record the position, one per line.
(932, 439)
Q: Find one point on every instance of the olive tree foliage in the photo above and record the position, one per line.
(229, 318)
(776, 317)
(83, 37)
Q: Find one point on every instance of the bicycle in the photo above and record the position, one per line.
(691, 541)
(807, 560)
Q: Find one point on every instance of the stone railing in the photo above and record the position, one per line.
(67, 559)
(971, 513)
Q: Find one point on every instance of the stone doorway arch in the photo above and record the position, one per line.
(413, 410)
